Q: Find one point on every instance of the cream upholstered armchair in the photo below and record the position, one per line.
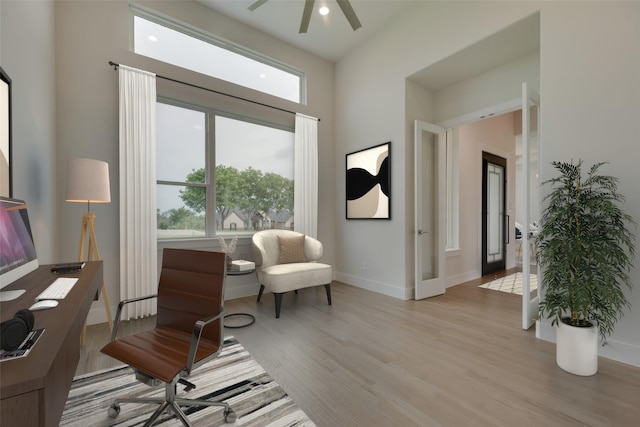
(287, 261)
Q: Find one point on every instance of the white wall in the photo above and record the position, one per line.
(589, 83)
(27, 55)
(373, 104)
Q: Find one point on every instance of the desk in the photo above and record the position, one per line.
(34, 388)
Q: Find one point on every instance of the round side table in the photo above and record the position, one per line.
(243, 319)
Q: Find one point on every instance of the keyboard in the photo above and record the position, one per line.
(58, 289)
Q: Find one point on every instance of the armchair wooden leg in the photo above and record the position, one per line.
(327, 288)
(278, 300)
(260, 292)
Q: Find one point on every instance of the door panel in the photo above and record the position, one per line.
(531, 168)
(430, 209)
(494, 172)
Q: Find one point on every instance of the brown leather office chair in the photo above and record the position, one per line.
(188, 331)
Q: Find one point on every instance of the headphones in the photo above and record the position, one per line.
(14, 331)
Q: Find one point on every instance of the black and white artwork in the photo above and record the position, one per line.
(368, 183)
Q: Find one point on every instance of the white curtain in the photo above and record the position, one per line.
(306, 176)
(138, 249)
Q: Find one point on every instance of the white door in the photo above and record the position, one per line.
(430, 209)
(530, 186)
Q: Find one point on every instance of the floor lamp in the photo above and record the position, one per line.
(88, 181)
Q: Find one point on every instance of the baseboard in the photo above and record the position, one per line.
(397, 292)
(612, 349)
(240, 291)
(462, 278)
(97, 314)
(379, 287)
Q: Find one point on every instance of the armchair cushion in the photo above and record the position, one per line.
(291, 249)
(282, 278)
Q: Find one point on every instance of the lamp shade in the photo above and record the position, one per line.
(88, 181)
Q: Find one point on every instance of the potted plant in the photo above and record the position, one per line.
(585, 252)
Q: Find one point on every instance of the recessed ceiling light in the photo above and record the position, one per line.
(324, 10)
(152, 38)
(263, 76)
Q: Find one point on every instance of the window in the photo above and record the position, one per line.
(234, 180)
(204, 53)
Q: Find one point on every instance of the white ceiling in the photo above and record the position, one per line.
(329, 37)
(332, 37)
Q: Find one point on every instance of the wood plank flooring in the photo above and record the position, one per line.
(459, 359)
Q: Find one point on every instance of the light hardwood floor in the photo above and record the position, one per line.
(459, 359)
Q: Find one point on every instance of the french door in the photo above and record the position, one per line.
(530, 188)
(430, 209)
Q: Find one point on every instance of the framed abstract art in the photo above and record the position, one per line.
(368, 183)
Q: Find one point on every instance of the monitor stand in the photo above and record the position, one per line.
(10, 295)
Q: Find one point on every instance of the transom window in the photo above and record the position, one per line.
(189, 48)
(219, 174)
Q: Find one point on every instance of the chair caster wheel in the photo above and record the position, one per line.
(230, 416)
(114, 410)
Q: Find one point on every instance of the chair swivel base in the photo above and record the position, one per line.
(172, 403)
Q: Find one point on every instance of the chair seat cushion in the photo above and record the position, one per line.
(160, 352)
(282, 278)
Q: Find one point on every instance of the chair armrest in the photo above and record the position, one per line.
(122, 303)
(195, 338)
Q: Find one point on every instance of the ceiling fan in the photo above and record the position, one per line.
(346, 7)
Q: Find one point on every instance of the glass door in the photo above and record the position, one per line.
(430, 209)
(530, 184)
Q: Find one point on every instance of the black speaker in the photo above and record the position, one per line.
(14, 331)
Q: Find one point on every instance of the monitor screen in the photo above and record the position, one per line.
(17, 250)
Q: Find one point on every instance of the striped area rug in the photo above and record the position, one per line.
(234, 377)
(512, 283)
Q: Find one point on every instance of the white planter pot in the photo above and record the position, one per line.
(577, 349)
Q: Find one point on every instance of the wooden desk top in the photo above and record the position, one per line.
(29, 373)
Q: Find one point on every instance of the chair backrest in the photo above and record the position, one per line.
(266, 249)
(191, 287)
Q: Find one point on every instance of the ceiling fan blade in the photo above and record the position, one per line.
(349, 13)
(306, 15)
(256, 4)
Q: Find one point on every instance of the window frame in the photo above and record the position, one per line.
(210, 113)
(151, 15)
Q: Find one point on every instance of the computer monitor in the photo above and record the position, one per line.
(17, 251)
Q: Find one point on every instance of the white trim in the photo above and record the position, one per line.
(494, 110)
(379, 287)
(612, 349)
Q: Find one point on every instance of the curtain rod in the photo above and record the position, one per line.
(116, 65)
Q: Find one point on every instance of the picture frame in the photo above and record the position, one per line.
(368, 183)
(6, 184)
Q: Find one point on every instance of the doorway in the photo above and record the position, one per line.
(494, 180)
